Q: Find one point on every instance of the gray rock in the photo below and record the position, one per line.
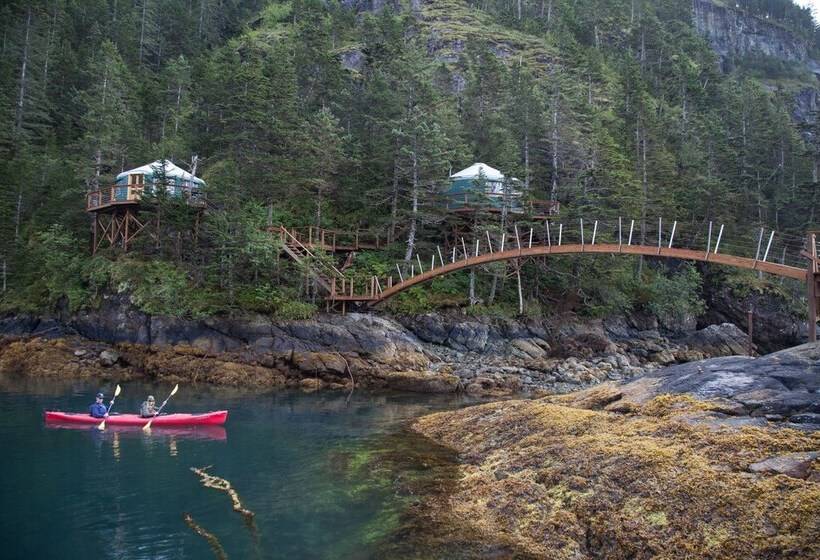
(719, 340)
(805, 418)
(795, 465)
(109, 357)
(784, 384)
(733, 33)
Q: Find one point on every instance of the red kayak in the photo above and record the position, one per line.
(216, 418)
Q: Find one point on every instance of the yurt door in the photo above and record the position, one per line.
(136, 182)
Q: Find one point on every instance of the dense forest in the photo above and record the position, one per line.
(314, 112)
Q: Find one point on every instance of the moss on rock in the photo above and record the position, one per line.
(547, 480)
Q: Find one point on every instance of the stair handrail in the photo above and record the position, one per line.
(288, 235)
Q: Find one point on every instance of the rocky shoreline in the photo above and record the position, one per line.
(438, 353)
(712, 459)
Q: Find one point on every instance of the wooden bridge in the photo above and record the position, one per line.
(515, 246)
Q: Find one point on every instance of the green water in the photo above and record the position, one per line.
(321, 472)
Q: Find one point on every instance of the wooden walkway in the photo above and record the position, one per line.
(331, 240)
(343, 290)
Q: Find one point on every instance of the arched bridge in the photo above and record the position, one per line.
(342, 290)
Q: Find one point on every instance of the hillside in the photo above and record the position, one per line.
(351, 115)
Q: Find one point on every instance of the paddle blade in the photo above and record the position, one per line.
(117, 391)
(174, 392)
(147, 427)
(101, 426)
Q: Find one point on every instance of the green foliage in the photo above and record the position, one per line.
(275, 302)
(308, 112)
(414, 301)
(55, 272)
(677, 295)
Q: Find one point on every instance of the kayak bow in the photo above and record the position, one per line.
(216, 418)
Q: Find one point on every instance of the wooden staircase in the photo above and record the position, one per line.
(325, 274)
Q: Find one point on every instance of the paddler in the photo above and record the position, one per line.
(98, 409)
(148, 408)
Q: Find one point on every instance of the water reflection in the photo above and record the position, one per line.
(216, 433)
(328, 475)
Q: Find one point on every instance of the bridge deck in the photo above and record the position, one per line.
(576, 248)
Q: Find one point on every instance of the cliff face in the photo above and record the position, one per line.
(733, 33)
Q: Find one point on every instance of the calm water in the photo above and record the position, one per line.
(319, 472)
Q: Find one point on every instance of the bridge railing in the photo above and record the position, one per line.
(332, 240)
(759, 246)
(763, 245)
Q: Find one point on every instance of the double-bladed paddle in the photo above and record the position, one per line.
(108, 411)
(147, 427)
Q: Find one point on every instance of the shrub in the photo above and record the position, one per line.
(675, 296)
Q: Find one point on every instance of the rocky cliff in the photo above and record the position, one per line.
(733, 33)
(435, 353)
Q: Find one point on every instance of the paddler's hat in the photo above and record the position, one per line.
(99, 395)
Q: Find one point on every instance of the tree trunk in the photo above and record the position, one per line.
(18, 116)
(51, 33)
(411, 236)
(95, 183)
(526, 161)
(179, 103)
(644, 190)
(201, 17)
(18, 214)
(473, 299)
(142, 28)
(554, 187)
(319, 208)
(394, 199)
(520, 292)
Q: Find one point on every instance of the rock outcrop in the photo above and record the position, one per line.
(665, 465)
(776, 387)
(733, 33)
(427, 353)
